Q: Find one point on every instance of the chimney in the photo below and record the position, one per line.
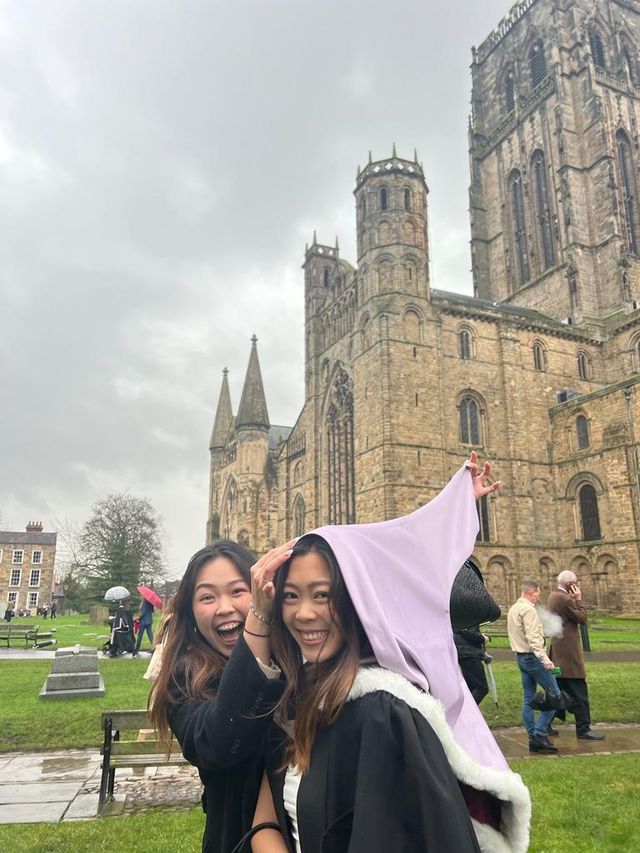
(34, 527)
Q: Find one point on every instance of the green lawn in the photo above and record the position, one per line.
(30, 723)
(606, 633)
(583, 804)
(69, 630)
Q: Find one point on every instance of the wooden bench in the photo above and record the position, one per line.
(145, 751)
(29, 634)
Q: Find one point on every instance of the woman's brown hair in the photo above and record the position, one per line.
(191, 668)
(315, 695)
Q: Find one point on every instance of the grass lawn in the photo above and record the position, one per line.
(583, 804)
(606, 633)
(30, 723)
(70, 630)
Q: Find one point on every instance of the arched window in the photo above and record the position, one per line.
(582, 429)
(597, 48)
(509, 92)
(464, 344)
(584, 365)
(589, 515)
(543, 213)
(629, 190)
(407, 198)
(243, 538)
(635, 354)
(538, 357)
(484, 533)
(340, 451)
(537, 64)
(298, 516)
(325, 276)
(384, 201)
(519, 225)
(470, 427)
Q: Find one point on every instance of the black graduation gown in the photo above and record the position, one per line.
(224, 738)
(379, 782)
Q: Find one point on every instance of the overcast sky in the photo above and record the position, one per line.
(162, 164)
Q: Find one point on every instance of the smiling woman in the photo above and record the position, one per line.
(215, 689)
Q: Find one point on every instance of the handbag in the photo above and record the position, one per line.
(241, 846)
(550, 701)
(471, 603)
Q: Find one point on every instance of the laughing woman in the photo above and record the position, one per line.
(379, 745)
(216, 688)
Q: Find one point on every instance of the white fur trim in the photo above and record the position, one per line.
(503, 784)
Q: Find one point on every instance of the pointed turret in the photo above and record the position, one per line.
(224, 416)
(252, 413)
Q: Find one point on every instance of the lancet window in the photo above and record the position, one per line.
(543, 212)
(629, 190)
(340, 451)
(519, 225)
(589, 514)
(537, 64)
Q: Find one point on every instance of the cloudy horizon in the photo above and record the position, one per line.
(163, 165)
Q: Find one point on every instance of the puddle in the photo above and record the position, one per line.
(62, 766)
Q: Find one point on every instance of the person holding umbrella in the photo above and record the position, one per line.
(150, 600)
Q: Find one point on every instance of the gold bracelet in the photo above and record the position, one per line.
(259, 615)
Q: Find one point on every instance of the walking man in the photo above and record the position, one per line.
(145, 624)
(566, 651)
(526, 638)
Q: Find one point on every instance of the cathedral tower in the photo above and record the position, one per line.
(554, 161)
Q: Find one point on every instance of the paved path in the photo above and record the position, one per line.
(58, 786)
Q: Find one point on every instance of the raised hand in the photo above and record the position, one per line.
(480, 477)
(262, 575)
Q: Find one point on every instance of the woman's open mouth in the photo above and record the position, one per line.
(313, 638)
(230, 632)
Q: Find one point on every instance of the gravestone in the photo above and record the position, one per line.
(74, 672)
(98, 614)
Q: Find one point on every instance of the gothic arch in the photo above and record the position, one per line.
(515, 183)
(542, 206)
(298, 516)
(628, 189)
(338, 453)
(229, 508)
(501, 580)
(472, 418)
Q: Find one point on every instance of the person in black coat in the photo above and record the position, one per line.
(359, 760)
(123, 637)
(216, 687)
(470, 645)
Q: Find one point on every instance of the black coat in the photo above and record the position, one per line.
(469, 644)
(379, 782)
(224, 738)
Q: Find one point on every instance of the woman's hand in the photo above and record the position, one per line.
(479, 489)
(262, 575)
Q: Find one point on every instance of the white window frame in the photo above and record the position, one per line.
(32, 573)
(37, 562)
(12, 598)
(14, 561)
(32, 600)
(19, 571)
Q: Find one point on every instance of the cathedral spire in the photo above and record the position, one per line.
(224, 416)
(253, 405)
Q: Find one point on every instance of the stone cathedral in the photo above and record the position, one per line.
(539, 371)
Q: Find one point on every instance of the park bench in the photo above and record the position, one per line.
(145, 751)
(30, 635)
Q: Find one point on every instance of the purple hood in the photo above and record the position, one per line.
(399, 574)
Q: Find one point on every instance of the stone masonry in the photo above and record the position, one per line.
(540, 376)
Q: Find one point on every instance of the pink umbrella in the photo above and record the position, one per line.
(150, 596)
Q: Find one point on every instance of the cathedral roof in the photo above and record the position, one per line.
(224, 415)
(253, 405)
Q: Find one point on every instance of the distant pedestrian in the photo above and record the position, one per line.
(526, 638)
(145, 623)
(9, 613)
(566, 651)
(54, 609)
(470, 646)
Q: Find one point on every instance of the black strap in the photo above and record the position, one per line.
(253, 831)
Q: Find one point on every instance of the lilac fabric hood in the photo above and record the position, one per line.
(399, 574)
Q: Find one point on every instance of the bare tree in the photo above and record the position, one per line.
(120, 545)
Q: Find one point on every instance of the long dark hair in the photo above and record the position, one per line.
(315, 694)
(191, 668)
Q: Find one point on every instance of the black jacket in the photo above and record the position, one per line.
(469, 644)
(224, 738)
(379, 782)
